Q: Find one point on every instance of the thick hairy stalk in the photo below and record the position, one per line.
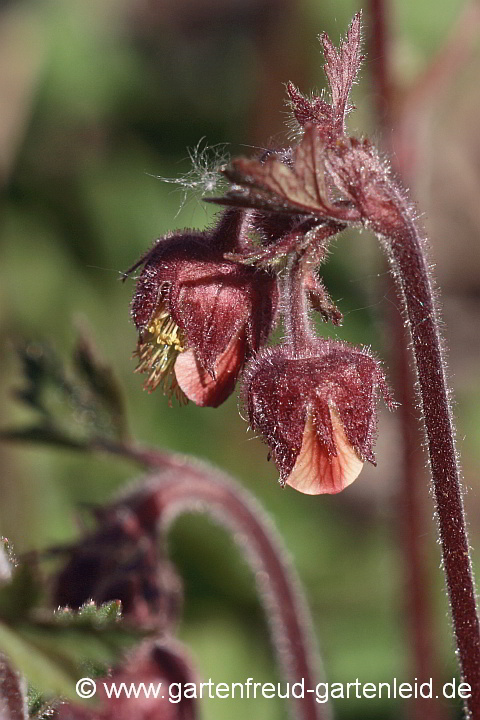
(405, 251)
(412, 518)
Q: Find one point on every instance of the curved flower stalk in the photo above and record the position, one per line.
(401, 131)
(177, 485)
(386, 211)
(194, 487)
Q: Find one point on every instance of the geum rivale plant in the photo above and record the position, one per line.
(205, 306)
(206, 303)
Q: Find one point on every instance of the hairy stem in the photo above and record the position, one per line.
(297, 322)
(298, 325)
(405, 251)
(13, 693)
(412, 516)
(185, 486)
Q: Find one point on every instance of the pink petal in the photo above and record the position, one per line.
(199, 386)
(315, 471)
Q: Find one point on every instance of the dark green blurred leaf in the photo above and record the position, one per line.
(41, 369)
(53, 650)
(87, 405)
(42, 434)
(20, 595)
(102, 382)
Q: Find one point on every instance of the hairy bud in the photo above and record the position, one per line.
(200, 316)
(121, 560)
(316, 411)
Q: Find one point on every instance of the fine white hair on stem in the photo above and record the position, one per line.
(204, 176)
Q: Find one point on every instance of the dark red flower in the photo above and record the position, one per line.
(122, 560)
(316, 411)
(201, 316)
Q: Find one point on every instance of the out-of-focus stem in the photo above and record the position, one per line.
(407, 133)
(13, 693)
(380, 61)
(184, 485)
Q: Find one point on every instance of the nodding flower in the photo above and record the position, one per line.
(199, 315)
(316, 411)
(121, 560)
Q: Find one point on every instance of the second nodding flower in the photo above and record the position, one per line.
(317, 411)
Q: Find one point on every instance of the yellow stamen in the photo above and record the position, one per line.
(157, 350)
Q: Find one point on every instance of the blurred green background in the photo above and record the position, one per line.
(99, 97)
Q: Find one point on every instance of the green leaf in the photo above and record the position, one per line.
(53, 651)
(40, 670)
(102, 382)
(20, 595)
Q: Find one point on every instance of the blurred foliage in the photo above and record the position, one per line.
(70, 411)
(100, 97)
(54, 650)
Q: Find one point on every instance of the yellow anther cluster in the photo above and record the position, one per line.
(157, 351)
(164, 331)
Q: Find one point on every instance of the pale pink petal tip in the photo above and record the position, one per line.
(199, 386)
(315, 471)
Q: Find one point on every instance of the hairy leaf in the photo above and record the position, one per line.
(341, 68)
(53, 650)
(274, 185)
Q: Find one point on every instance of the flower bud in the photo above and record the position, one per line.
(200, 316)
(121, 560)
(316, 411)
(162, 668)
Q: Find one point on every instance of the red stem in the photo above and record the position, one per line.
(13, 692)
(299, 330)
(405, 251)
(298, 326)
(412, 511)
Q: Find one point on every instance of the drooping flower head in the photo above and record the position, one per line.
(152, 665)
(316, 411)
(200, 316)
(122, 560)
